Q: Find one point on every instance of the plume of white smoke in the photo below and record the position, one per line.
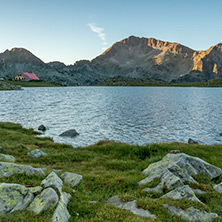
(101, 34)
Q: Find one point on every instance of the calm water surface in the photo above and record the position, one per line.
(135, 115)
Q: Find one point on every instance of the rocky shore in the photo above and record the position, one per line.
(7, 86)
(108, 181)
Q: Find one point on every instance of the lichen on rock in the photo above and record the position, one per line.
(176, 170)
(48, 198)
(72, 179)
(131, 206)
(8, 169)
(191, 214)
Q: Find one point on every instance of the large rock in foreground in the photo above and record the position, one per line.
(48, 198)
(191, 214)
(7, 158)
(14, 197)
(8, 169)
(176, 170)
(184, 192)
(72, 179)
(61, 213)
(53, 181)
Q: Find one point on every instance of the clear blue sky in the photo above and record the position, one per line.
(70, 30)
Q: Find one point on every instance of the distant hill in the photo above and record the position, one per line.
(133, 57)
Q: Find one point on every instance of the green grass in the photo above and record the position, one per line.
(115, 81)
(108, 168)
(34, 83)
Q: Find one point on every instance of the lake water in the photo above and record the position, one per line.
(134, 115)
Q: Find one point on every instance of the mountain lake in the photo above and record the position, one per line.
(134, 115)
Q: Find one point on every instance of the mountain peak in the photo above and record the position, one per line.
(20, 55)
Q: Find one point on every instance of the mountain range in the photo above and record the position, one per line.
(133, 57)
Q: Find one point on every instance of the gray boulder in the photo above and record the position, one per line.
(61, 213)
(191, 214)
(218, 187)
(14, 197)
(69, 133)
(53, 181)
(48, 198)
(8, 169)
(184, 192)
(131, 206)
(7, 158)
(198, 191)
(176, 170)
(72, 179)
(36, 153)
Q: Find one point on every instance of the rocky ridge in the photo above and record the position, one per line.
(133, 57)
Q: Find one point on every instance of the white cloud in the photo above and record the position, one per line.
(101, 34)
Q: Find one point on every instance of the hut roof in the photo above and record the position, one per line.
(30, 75)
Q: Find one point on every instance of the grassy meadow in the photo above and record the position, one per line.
(108, 168)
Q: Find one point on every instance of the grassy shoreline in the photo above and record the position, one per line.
(108, 168)
(34, 83)
(136, 82)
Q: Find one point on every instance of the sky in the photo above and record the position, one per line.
(72, 30)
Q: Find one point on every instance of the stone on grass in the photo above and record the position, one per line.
(7, 158)
(131, 206)
(61, 213)
(218, 187)
(69, 133)
(72, 179)
(157, 189)
(8, 169)
(184, 192)
(191, 214)
(36, 153)
(176, 170)
(198, 191)
(53, 181)
(48, 198)
(14, 197)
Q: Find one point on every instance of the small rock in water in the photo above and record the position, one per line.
(42, 128)
(191, 141)
(220, 134)
(70, 133)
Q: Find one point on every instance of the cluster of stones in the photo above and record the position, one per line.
(176, 171)
(37, 199)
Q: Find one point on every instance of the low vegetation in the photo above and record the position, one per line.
(34, 83)
(108, 168)
(129, 81)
